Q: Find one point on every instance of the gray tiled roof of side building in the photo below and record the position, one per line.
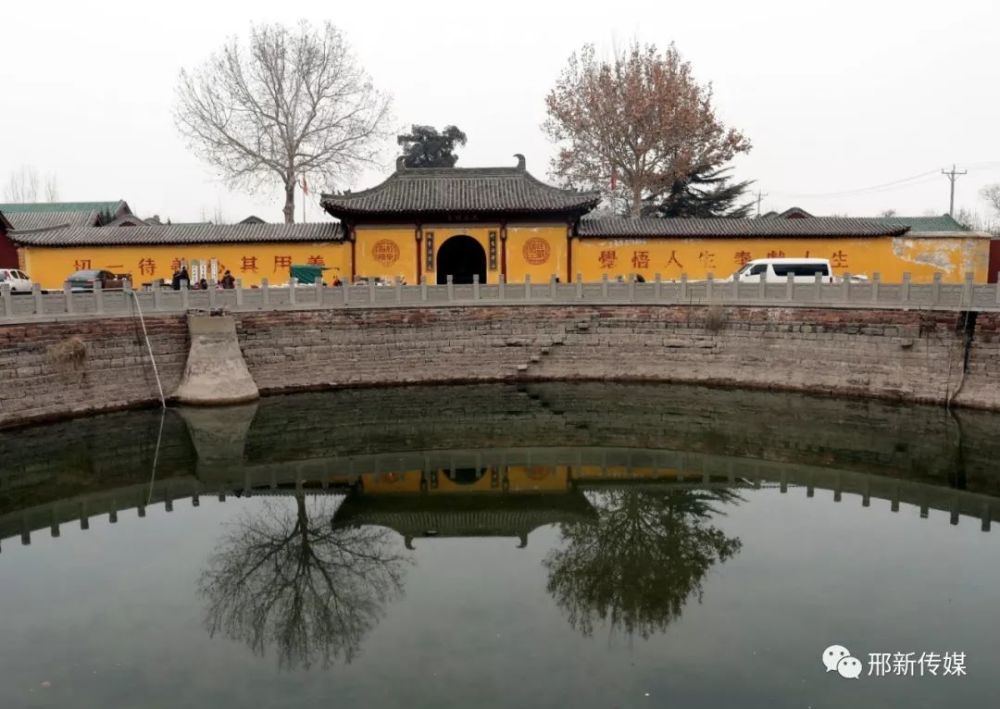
(49, 220)
(940, 223)
(723, 227)
(436, 190)
(174, 234)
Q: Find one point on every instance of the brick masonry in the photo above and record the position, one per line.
(904, 355)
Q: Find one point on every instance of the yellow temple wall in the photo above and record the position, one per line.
(891, 257)
(536, 250)
(386, 252)
(249, 262)
(539, 251)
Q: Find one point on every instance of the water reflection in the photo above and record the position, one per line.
(635, 480)
(283, 577)
(640, 560)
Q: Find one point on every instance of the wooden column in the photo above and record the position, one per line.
(352, 235)
(503, 250)
(569, 253)
(418, 234)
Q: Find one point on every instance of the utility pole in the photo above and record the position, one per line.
(760, 196)
(953, 175)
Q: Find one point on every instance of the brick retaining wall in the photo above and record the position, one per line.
(906, 355)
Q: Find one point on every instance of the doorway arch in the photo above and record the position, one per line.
(461, 257)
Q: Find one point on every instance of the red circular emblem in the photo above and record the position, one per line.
(386, 252)
(536, 251)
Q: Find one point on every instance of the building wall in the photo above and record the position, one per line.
(8, 252)
(250, 262)
(538, 250)
(891, 257)
(387, 252)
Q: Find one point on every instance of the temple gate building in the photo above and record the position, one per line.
(490, 223)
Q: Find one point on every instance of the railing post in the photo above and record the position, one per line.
(98, 298)
(451, 288)
(761, 287)
(239, 292)
(527, 287)
(631, 290)
(904, 295)
(185, 295)
(968, 293)
(68, 295)
(684, 287)
(320, 290)
(36, 293)
(292, 282)
(818, 280)
(126, 294)
(846, 287)
(423, 288)
(657, 287)
(211, 295)
(371, 290)
(790, 288)
(552, 286)
(8, 300)
(399, 289)
(876, 282)
(157, 296)
(604, 286)
(579, 286)
(475, 286)
(709, 282)
(502, 287)
(265, 293)
(937, 287)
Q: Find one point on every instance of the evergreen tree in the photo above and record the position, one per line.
(707, 192)
(423, 146)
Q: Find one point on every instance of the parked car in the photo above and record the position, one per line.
(19, 281)
(777, 270)
(81, 281)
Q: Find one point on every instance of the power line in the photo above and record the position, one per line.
(919, 178)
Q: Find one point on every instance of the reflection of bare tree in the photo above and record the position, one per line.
(285, 577)
(638, 564)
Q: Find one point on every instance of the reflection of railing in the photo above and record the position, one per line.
(848, 293)
(585, 468)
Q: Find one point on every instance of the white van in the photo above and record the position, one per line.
(19, 281)
(777, 270)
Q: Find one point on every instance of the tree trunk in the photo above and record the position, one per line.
(635, 209)
(289, 209)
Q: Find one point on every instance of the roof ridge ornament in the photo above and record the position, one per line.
(400, 163)
(520, 161)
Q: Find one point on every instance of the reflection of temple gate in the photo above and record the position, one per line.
(461, 257)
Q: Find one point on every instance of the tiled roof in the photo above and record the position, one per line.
(50, 220)
(438, 190)
(722, 227)
(111, 208)
(177, 234)
(46, 215)
(926, 224)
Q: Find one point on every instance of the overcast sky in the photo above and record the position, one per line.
(837, 96)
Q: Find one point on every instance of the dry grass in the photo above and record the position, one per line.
(69, 355)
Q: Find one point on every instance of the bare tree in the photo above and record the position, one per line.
(284, 577)
(641, 120)
(991, 193)
(51, 188)
(24, 185)
(293, 104)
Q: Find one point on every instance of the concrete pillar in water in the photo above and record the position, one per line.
(215, 373)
